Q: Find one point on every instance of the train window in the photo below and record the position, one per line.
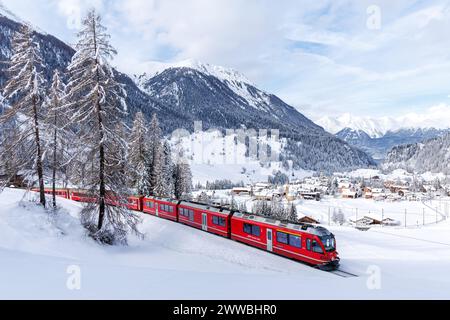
(247, 228)
(282, 237)
(170, 209)
(220, 222)
(182, 212)
(295, 241)
(308, 244)
(191, 215)
(256, 231)
(317, 248)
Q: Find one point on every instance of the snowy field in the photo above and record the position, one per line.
(177, 262)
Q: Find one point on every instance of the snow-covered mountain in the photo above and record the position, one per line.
(225, 99)
(375, 128)
(353, 136)
(436, 117)
(219, 97)
(429, 156)
(380, 146)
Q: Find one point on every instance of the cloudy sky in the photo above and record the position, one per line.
(326, 57)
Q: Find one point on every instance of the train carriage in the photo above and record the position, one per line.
(61, 193)
(204, 217)
(81, 196)
(160, 207)
(307, 243)
(135, 203)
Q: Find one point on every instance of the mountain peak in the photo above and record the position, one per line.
(222, 73)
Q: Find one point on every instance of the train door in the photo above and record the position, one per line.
(205, 222)
(269, 240)
(157, 209)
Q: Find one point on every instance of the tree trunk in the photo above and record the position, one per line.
(40, 170)
(54, 161)
(102, 200)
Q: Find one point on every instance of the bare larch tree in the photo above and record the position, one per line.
(98, 104)
(24, 92)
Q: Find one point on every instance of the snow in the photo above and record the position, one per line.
(437, 116)
(178, 262)
(235, 80)
(398, 174)
(214, 156)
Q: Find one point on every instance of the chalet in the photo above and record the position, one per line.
(247, 191)
(342, 185)
(267, 195)
(310, 195)
(398, 188)
(349, 194)
(308, 220)
(368, 194)
(368, 221)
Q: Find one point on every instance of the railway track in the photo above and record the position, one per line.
(344, 274)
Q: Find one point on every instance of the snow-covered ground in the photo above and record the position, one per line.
(177, 262)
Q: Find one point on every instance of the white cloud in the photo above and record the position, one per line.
(317, 55)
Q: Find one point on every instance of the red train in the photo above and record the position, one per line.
(307, 243)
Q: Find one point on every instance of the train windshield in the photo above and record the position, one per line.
(329, 243)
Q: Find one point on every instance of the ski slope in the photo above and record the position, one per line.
(177, 262)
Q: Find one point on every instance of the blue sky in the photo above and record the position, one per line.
(324, 57)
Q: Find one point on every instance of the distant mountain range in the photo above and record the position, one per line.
(434, 118)
(219, 97)
(377, 136)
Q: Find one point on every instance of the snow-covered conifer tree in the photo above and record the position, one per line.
(97, 100)
(182, 180)
(157, 187)
(168, 169)
(292, 213)
(24, 92)
(138, 157)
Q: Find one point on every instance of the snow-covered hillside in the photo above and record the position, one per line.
(431, 155)
(40, 254)
(379, 147)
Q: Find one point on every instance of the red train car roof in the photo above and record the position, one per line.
(206, 207)
(307, 228)
(162, 200)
